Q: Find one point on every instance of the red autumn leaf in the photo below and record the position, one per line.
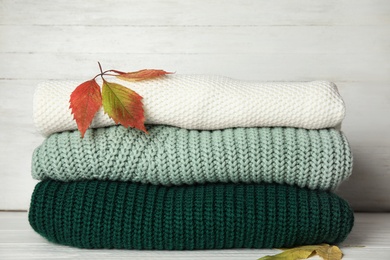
(141, 74)
(85, 101)
(123, 105)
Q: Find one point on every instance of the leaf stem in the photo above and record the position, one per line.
(100, 67)
(106, 72)
(116, 71)
(101, 71)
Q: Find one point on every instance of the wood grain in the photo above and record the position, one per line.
(195, 13)
(368, 240)
(342, 41)
(263, 67)
(331, 40)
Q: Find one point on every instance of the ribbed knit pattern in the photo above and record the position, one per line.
(106, 214)
(205, 102)
(317, 159)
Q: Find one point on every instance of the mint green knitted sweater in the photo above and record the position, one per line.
(107, 214)
(317, 159)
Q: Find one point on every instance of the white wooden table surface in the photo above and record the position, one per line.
(370, 239)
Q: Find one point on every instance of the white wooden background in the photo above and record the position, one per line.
(345, 41)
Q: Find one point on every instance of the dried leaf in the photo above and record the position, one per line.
(85, 101)
(330, 252)
(142, 74)
(123, 105)
(325, 251)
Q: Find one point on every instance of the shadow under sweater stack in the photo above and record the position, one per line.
(226, 164)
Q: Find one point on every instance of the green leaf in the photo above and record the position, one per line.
(123, 105)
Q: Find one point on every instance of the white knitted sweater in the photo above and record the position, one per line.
(205, 102)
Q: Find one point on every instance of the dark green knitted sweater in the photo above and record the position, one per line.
(107, 214)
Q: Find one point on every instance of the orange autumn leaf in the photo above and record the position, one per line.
(142, 74)
(123, 105)
(85, 101)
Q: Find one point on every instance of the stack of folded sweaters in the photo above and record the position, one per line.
(226, 164)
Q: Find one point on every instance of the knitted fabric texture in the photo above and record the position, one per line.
(105, 214)
(205, 102)
(318, 159)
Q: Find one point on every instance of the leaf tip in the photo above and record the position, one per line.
(143, 129)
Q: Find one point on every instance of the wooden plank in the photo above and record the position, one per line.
(366, 126)
(18, 139)
(193, 13)
(368, 240)
(185, 40)
(261, 66)
(37, 251)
